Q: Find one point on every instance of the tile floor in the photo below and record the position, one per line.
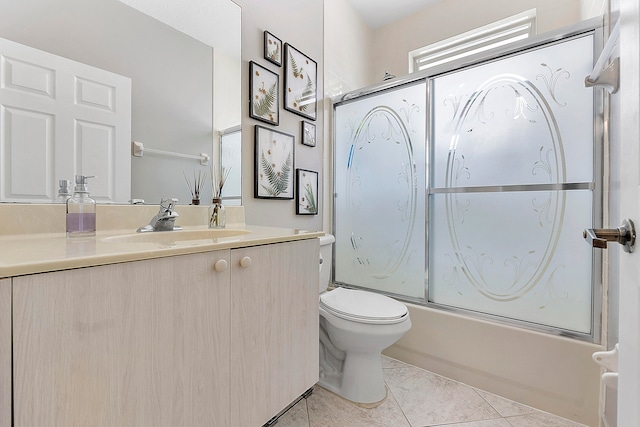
(418, 398)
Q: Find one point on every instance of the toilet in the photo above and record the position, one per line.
(355, 326)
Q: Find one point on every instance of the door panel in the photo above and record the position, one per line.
(60, 118)
(629, 140)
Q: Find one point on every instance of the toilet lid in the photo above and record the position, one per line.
(362, 305)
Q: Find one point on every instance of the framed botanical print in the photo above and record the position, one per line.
(263, 94)
(306, 192)
(274, 161)
(308, 132)
(300, 83)
(272, 48)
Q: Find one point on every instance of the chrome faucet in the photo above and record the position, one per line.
(165, 218)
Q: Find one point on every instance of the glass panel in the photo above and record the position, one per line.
(527, 119)
(525, 260)
(506, 137)
(380, 191)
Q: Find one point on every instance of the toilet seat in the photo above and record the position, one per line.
(363, 307)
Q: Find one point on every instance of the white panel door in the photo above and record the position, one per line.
(629, 321)
(60, 118)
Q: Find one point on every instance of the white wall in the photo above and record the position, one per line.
(299, 23)
(591, 8)
(349, 46)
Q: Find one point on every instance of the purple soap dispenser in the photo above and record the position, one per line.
(81, 210)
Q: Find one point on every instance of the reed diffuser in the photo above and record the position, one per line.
(196, 185)
(217, 214)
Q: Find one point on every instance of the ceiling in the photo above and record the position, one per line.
(378, 13)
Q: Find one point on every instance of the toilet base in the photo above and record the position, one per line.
(358, 378)
(362, 405)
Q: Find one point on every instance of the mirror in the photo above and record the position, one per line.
(185, 85)
(231, 160)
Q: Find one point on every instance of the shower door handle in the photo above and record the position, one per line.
(625, 235)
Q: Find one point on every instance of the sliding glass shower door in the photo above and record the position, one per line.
(512, 187)
(380, 191)
(469, 190)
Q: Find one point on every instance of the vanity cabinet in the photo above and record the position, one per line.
(5, 352)
(274, 328)
(135, 344)
(222, 338)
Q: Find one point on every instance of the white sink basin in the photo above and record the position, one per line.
(177, 236)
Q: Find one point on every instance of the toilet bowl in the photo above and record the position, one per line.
(355, 326)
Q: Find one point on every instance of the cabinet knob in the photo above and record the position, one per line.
(220, 265)
(245, 262)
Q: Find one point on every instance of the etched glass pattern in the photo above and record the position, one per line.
(511, 187)
(380, 191)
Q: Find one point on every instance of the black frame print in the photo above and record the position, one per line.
(272, 48)
(306, 192)
(300, 83)
(274, 164)
(264, 94)
(308, 133)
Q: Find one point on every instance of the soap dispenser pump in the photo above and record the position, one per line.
(64, 190)
(81, 210)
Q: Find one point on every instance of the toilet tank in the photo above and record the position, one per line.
(326, 256)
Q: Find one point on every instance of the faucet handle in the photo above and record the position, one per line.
(167, 204)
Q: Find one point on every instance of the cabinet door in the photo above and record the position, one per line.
(140, 344)
(274, 328)
(5, 352)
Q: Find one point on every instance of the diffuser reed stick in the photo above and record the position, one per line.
(218, 179)
(217, 213)
(196, 185)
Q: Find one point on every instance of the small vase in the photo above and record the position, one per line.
(195, 201)
(217, 214)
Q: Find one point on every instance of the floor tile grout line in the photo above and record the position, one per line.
(306, 406)
(475, 389)
(389, 392)
(454, 423)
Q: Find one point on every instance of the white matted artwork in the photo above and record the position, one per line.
(306, 192)
(274, 161)
(308, 132)
(272, 48)
(300, 83)
(263, 94)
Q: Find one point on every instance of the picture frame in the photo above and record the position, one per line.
(300, 83)
(274, 164)
(264, 94)
(308, 133)
(306, 192)
(272, 48)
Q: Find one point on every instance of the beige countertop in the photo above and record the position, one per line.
(29, 253)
